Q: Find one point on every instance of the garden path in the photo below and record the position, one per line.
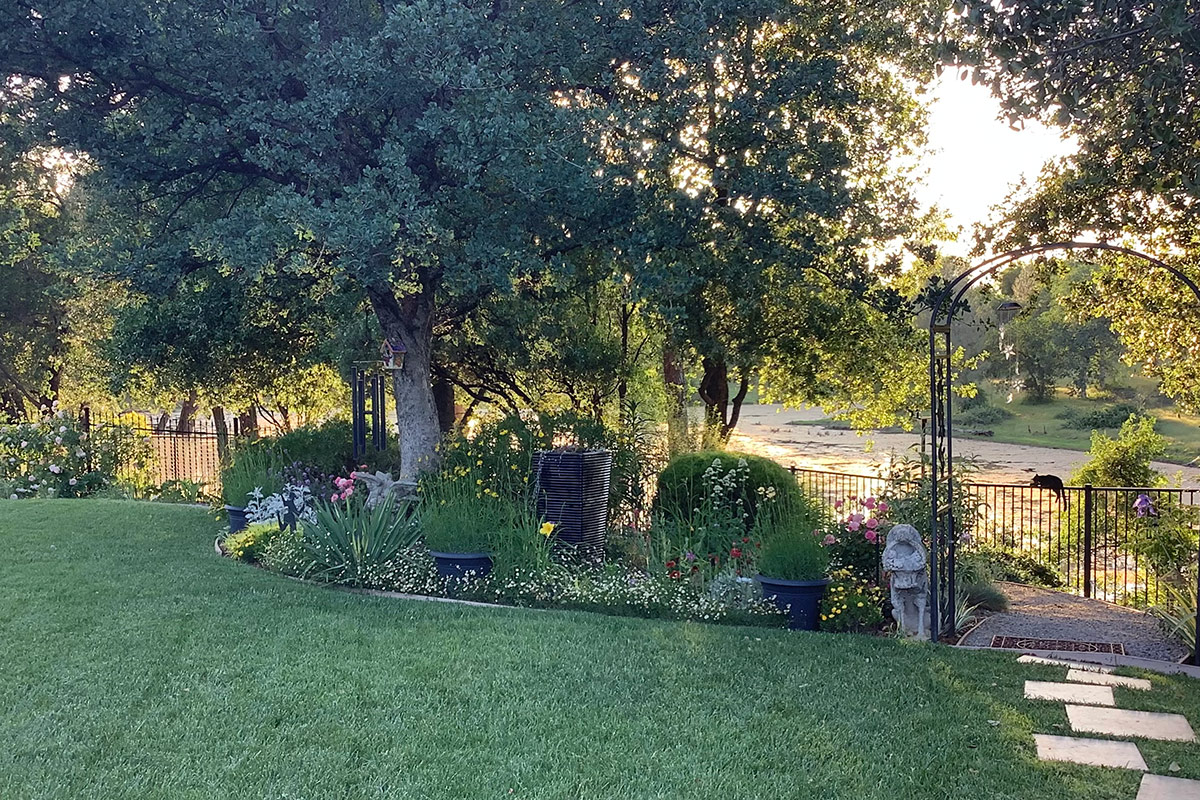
(1094, 712)
(1036, 613)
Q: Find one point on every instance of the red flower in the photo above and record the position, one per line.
(758, 544)
(695, 569)
(736, 552)
(674, 573)
(745, 540)
(670, 564)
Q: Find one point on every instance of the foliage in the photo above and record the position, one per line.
(459, 514)
(851, 604)
(254, 467)
(291, 504)
(620, 591)
(855, 541)
(986, 595)
(249, 543)
(1178, 614)
(1164, 535)
(686, 483)
(983, 415)
(179, 491)
(789, 552)
(355, 545)
(1124, 461)
(909, 497)
(1111, 417)
(985, 563)
(54, 457)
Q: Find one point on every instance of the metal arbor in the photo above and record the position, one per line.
(943, 527)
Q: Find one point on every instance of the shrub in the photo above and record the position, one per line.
(682, 486)
(327, 449)
(793, 555)
(983, 415)
(850, 604)
(855, 542)
(250, 543)
(986, 564)
(985, 594)
(351, 544)
(1178, 615)
(1112, 417)
(53, 457)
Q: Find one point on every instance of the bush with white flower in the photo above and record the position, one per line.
(53, 457)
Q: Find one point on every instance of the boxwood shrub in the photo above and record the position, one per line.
(681, 484)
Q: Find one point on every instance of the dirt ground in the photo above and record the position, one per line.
(764, 429)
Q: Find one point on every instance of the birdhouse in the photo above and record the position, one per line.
(391, 353)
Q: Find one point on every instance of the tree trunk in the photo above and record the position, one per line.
(248, 422)
(410, 322)
(222, 431)
(714, 392)
(678, 436)
(187, 413)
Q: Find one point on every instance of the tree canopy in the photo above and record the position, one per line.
(735, 159)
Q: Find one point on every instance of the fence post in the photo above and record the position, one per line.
(1087, 540)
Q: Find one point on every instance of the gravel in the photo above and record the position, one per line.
(1047, 614)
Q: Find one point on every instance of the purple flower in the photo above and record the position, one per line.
(690, 556)
(1144, 506)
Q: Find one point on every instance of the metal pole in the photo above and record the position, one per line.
(1087, 540)
(933, 475)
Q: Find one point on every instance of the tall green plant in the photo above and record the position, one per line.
(352, 544)
(253, 467)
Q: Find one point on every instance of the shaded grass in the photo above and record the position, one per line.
(137, 664)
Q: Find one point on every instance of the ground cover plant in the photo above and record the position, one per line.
(140, 665)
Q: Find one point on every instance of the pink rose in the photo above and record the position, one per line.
(871, 536)
(856, 517)
(872, 523)
(838, 505)
(829, 539)
(883, 507)
(853, 524)
(869, 502)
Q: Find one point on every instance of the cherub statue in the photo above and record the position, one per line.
(905, 558)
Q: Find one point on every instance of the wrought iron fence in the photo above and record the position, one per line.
(1121, 544)
(166, 451)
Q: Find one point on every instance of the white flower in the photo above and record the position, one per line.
(79, 454)
(12, 497)
(62, 428)
(58, 440)
(24, 445)
(56, 469)
(72, 481)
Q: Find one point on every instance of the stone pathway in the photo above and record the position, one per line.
(1037, 613)
(1087, 695)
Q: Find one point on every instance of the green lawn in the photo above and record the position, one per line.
(137, 664)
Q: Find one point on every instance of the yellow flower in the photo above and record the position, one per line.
(860, 605)
(547, 528)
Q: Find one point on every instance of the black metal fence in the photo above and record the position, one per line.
(1121, 544)
(155, 453)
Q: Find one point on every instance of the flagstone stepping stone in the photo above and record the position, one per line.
(1059, 662)
(1070, 693)
(1121, 722)
(1091, 752)
(1160, 787)
(1080, 676)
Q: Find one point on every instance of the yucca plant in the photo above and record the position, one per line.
(1178, 615)
(352, 544)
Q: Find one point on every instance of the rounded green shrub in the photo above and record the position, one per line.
(681, 486)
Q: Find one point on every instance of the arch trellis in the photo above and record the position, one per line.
(943, 536)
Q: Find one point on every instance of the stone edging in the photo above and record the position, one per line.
(1105, 659)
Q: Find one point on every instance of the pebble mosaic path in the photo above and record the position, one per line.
(1094, 712)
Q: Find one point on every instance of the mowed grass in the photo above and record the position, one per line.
(135, 663)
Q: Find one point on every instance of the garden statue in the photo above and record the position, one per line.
(905, 558)
(381, 485)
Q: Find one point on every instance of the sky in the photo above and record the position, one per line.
(976, 156)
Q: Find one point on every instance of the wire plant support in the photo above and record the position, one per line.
(943, 528)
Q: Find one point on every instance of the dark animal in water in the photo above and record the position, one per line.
(1051, 482)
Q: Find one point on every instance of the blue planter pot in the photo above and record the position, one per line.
(800, 599)
(454, 567)
(237, 518)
